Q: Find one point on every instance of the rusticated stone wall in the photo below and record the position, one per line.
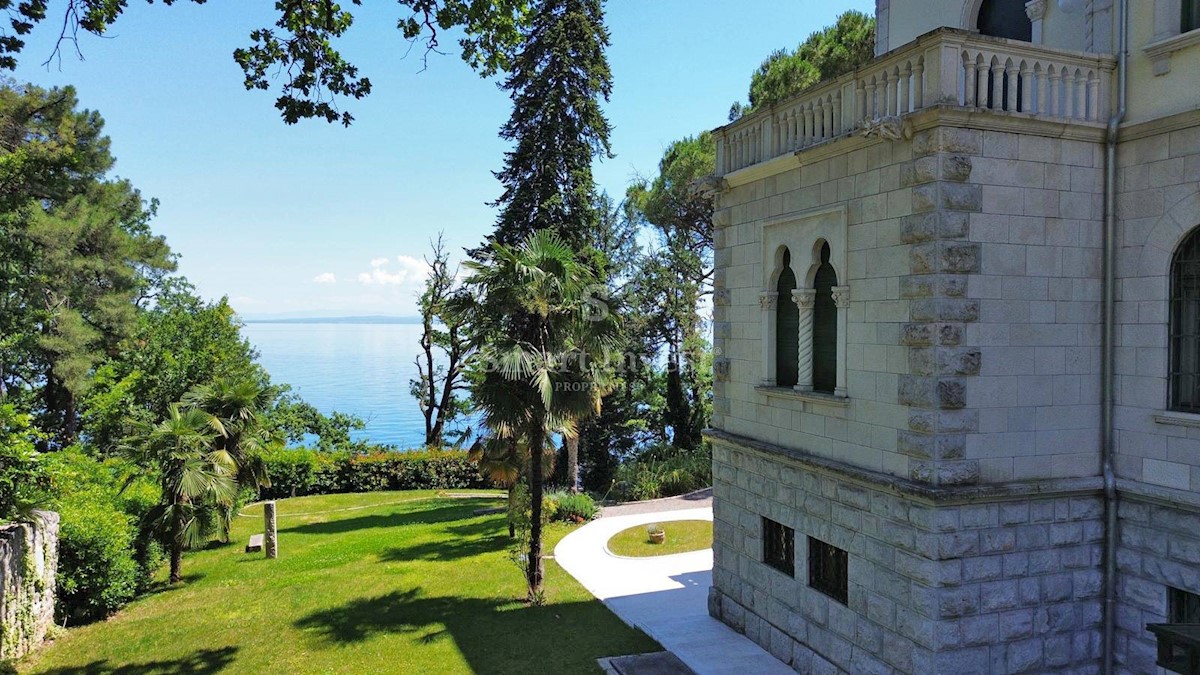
(996, 582)
(28, 561)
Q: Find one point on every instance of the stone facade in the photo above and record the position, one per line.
(939, 582)
(960, 468)
(28, 561)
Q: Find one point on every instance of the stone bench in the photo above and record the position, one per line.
(256, 544)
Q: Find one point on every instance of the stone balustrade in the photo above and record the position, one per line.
(947, 67)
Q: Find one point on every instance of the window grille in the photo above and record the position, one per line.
(829, 570)
(1185, 326)
(779, 546)
(1182, 607)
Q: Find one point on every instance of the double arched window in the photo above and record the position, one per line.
(806, 324)
(1185, 325)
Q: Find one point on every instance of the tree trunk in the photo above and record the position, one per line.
(534, 568)
(572, 443)
(512, 528)
(70, 418)
(177, 550)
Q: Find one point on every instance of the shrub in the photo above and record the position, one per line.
(103, 562)
(295, 472)
(23, 480)
(570, 507)
(663, 471)
(97, 572)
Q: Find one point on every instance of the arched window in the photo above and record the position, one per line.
(787, 327)
(1185, 325)
(825, 327)
(1006, 19)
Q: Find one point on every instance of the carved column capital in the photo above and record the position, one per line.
(1035, 10)
(768, 300)
(804, 298)
(841, 296)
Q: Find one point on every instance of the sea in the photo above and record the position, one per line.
(358, 368)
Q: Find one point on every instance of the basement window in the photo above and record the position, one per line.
(779, 546)
(1182, 607)
(829, 570)
(1179, 640)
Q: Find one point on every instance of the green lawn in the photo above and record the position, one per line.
(682, 536)
(410, 583)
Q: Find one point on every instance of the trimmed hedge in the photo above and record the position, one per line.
(296, 472)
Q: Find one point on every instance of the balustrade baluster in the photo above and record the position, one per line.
(905, 84)
(996, 102)
(972, 82)
(1011, 74)
(1042, 89)
(1055, 108)
(1026, 88)
(1080, 95)
(837, 113)
(1068, 99)
(918, 99)
(1093, 97)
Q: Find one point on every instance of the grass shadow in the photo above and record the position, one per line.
(198, 663)
(465, 540)
(165, 586)
(461, 510)
(494, 635)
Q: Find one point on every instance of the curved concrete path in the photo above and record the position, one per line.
(665, 596)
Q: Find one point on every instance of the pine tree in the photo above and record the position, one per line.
(556, 82)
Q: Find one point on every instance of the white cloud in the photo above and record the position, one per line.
(409, 271)
(325, 278)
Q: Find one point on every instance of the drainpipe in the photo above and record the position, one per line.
(1108, 351)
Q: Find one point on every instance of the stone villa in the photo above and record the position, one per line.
(957, 321)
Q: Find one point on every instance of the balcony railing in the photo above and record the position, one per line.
(946, 67)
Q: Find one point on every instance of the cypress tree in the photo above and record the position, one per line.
(557, 82)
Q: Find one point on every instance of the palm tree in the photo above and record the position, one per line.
(238, 405)
(543, 346)
(197, 481)
(505, 460)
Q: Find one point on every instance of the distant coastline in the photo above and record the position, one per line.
(370, 320)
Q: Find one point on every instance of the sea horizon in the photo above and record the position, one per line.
(358, 368)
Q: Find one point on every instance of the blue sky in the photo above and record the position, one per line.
(317, 219)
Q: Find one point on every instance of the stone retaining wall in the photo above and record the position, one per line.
(28, 561)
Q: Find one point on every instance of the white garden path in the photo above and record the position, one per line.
(665, 596)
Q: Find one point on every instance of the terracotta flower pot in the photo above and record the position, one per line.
(658, 537)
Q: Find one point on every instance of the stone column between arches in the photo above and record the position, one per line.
(767, 302)
(841, 299)
(805, 299)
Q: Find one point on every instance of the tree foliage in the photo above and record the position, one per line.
(76, 253)
(828, 53)
(445, 349)
(300, 50)
(557, 81)
(673, 279)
